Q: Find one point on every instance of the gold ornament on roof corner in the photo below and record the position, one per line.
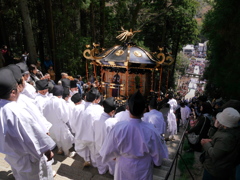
(161, 56)
(91, 54)
(125, 35)
(169, 58)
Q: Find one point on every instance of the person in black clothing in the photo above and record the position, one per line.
(203, 119)
(178, 114)
(116, 80)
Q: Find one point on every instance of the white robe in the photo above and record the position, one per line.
(136, 146)
(123, 115)
(29, 91)
(24, 143)
(77, 112)
(100, 133)
(56, 113)
(41, 100)
(69, 105)
(84, 137)
(110, 123)
(172, 122)
(28, 104)
(185, 112)
(156, 118)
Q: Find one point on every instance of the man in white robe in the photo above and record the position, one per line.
(185, 113)
(135, 144)
(57, 114)
(84, 137)
(26, 146)
(28, 90)
(172, 121)
(123, 115)
(73, 88)
(155, 117)
(26, 102)
(42, 95)
(29, 105)
(76, 111)
(100, 133)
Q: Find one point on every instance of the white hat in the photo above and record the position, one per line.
(229, 117)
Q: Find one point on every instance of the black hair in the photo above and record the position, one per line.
(7, 95)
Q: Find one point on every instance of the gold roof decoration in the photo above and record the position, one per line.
(126, 35)
(128, 54)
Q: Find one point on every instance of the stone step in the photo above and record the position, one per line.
(72, 168)
(158, 178)
(160, 172)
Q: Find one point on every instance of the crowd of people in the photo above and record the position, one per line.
(216, 125)
(38, 114)
(193, 64)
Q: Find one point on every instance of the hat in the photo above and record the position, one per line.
(229, 117)
(73, 84)
(136, 104)
(92, 94)
(65, 82)
(109, 105)
(153, 103)
(65, 92)
(7, 81)
(76, 98)
(50, 86)
(42, 84)
(57, 90)
(16, 72)
(78, 76)
(23, 67)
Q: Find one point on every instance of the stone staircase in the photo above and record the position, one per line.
(72, 168)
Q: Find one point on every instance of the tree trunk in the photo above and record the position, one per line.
(78, 21)
(102, 20)
(40, 34)
(3, 36)
(31, 47)
(135, 15)
(93, 22)
(51, 35)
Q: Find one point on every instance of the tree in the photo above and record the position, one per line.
(31, 47)
(221, 27)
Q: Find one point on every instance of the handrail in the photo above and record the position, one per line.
(176, 157)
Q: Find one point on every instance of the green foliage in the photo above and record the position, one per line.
(221, 28)
(182, 62)
(189, 159)
(78, 22)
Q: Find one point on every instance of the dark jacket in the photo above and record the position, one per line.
(197, 128)
(222, 153)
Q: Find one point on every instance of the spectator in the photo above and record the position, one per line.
(80, 84)
(48, 62)
(202, 126)
(25, 57)
(222, 150)
(33, 74)
(52, 73)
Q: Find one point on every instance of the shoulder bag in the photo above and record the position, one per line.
(193, 138)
